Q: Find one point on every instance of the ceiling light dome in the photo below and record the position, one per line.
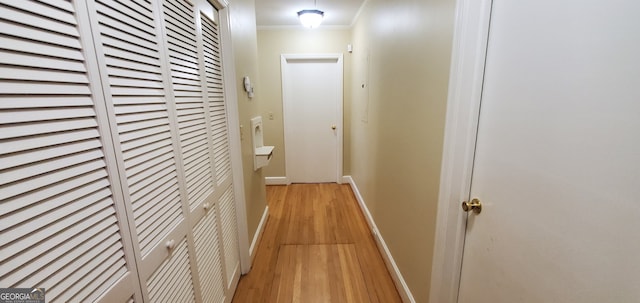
(311, 18)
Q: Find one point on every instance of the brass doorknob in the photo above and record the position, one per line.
(333, 127)
(475, 205)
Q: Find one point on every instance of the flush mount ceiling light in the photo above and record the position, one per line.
(311, 18)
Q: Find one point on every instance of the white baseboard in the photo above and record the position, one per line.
(277, 181)
(259, 232)
(401, 285)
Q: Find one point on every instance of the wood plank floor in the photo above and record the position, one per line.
(316, 247)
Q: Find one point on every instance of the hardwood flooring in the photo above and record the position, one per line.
(316, 247)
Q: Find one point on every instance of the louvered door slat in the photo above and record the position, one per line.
(155, 143)
(182, 9)
(133, 74)
(77, 276)
(179, 33)
(110, 276)
(15, 87)
(127, 54)
(146, 156)
(183, 64)
(37, 182)
(61, 10)
(19, 173)
(186, 81)
(28, 60)
(95, 249)
(55, 227)
(15, 102)
(133, 23)
(62, 5)
(54, 210)
(101, 251)
(136, 91)
(150, 169)
(24, 214)
(33, 197)
(142, 5)
(180, 75)
(191, 125)
(130, 10)
(118, 81)
(10, 161)
(119, 64)
(45, 127)
(39, 34)
(191, 115)
(114, 28)
(144, 213)
(132, 113)
(139, 129)
(141, 192)
(151, 107)
(42, 75)
(137, 101)
(24, 144)
(181, 71)
(44, 22)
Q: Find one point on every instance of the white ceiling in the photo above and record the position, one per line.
(283, 12)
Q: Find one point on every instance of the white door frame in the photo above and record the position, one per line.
(288, 135)
(233, 124)
(463, 109)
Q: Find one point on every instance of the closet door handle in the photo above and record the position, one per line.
(475, 205)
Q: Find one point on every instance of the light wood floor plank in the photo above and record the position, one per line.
(316, 247)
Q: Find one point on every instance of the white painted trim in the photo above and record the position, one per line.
(300, 27)
(359, 12)
(396, 275)
(233, 123)
(277, 181)
(258, 236)
(463, 108)
(339, 107)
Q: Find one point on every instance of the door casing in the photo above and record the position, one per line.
(471, 32)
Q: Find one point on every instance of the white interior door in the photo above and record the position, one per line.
(312, 97)
(557, 161)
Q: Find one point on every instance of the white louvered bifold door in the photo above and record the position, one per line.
(61, 217)
(116, 176)
(197, 86)
(128, 41)
(218, 114)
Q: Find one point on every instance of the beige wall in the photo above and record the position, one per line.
(271, 44)
(245, 49)
(397, 134)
